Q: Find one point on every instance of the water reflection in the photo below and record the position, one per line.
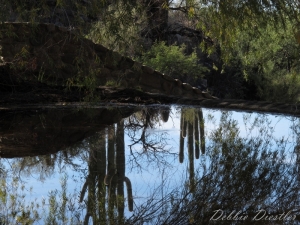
(123, 167)
(147, 144)
(44, 131)
(191, 121)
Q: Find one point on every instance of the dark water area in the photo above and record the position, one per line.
(156, 164)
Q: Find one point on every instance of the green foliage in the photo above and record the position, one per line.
(172, 61)
(15, 209)
(12, 206)
(86, 82)
(58, 209)
(269, 58)
(221, 20)
(112, 83)
(255, 38)
(63, 12)
(119, 28)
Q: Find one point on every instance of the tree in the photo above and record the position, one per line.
(220, 18)
(267, 59)
(157, 19)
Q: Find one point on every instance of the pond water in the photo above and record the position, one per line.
(148, 165)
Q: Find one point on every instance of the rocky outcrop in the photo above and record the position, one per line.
(57, 55)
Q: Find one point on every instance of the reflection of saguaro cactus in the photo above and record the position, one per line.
(111, 172)
(181, 140)
(100, 155)
(120, 166)
(194, 117)
(202, 136)
(96, 167)
(191, 122)
(196, 135)
(115, 177)
(191, 155)
(91, 190)
(129, 193)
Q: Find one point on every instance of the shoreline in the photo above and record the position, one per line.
(42, 95)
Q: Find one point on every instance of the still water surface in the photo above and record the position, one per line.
(148, 165)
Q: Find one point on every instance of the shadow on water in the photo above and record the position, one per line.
(36, 132)
(226, 172)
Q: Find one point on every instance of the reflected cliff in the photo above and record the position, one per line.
(43, 131)
(149, 165)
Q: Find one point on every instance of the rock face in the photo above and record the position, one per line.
(57, 55)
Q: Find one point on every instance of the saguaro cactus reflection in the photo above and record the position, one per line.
(115, 177)
(96, 192)
(111, 170)
(191, 121)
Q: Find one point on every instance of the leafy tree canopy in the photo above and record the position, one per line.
(216, 16)
(220, 19)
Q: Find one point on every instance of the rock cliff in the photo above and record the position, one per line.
(60, 56)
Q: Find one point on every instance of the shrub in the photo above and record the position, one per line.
(172, 61)
(269, 58)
